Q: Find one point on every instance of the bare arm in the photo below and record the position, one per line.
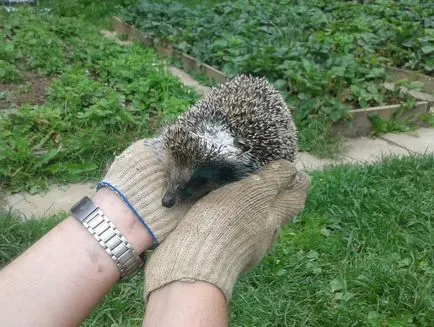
(58, 280)
(63, 276)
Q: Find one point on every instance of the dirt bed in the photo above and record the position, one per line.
(32, 91)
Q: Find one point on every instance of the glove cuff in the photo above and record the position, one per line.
(125, 200)
(136, 176)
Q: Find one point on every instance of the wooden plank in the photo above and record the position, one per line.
(141, 37)
(120, 27)
(214, 74)
(163, 49)
(190, 63)
(399, 74)
(361, 124)
(420, 96)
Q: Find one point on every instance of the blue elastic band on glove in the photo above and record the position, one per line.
(124, 198)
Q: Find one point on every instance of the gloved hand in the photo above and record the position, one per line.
(230, 230)
(138, 178)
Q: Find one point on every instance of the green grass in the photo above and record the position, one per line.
(16, 236)
(94, 12)
(361, 254)
(101, 97)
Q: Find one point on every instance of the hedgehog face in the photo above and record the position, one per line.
(189, 185)
(176, 179)
(194, 165)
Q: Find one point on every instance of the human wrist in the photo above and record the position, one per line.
(186, 304)
(124, 219)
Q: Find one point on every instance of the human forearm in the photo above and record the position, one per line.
(70, 272)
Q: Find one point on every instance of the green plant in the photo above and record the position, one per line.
(397, 123)
(94, 12)
(326, 57)
(102, 97)
(427, 119)
(9, 73)
(381, 126)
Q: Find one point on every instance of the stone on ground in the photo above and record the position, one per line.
(306, 161)
(367, 150)
(420, 141)
(58, 198)
(113, 36)
(188, 81)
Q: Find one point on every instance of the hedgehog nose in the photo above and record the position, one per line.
(168, 201)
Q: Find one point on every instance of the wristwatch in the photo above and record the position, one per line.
(108, 236)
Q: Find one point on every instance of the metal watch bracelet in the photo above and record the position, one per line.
(108, 237)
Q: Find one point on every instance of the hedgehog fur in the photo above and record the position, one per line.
(240, 126)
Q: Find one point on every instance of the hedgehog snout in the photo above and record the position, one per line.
(168, 200)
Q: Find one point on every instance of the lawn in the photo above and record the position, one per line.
(326, 56)
(361, 254)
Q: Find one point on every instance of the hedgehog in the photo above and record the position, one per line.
(239, 127)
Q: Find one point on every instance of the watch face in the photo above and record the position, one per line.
(83, 208)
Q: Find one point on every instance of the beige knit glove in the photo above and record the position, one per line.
(230, 230)
(138, 178)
